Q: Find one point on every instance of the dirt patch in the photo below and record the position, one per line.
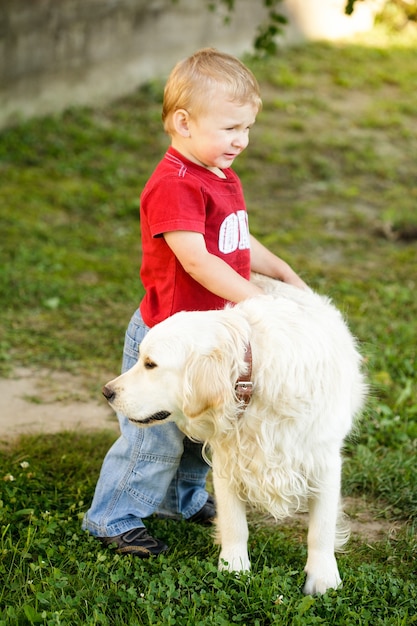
(362, 521)
(48, 402)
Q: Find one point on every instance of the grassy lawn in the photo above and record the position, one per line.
(331, 185)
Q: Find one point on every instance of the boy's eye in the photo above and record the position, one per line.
(235, 128)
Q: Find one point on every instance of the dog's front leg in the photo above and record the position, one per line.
(232, 527)
(321, 568)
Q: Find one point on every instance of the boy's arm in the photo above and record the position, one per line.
(217, 276)
(207, 269)
(265, 262)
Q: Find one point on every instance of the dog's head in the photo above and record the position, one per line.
(187, 368)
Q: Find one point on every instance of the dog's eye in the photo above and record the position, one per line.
(149, 365)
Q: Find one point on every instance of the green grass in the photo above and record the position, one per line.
(330, 185)
(52, 573)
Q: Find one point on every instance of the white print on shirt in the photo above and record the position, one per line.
(234, 233)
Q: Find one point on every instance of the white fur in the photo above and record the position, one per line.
(282, 453)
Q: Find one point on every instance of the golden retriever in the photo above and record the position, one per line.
(282, 451)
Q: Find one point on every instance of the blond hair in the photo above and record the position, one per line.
(195, 79)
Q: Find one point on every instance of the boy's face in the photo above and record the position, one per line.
(216, 137)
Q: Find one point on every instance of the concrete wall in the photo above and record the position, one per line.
(57, 53)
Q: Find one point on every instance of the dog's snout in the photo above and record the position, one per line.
(108, 393)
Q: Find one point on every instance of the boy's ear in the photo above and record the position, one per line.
(180, 121)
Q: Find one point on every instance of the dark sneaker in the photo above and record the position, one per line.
(137, 542)
(206, 515)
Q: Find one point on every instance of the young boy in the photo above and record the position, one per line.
(197, 255)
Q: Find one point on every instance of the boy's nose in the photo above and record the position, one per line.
(241, 141)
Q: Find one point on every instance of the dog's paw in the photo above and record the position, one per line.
(234, 562)
(320, 585)
(322, 577)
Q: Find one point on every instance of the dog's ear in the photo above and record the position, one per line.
(207, 383)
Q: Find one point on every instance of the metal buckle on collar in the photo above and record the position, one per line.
(244, 387)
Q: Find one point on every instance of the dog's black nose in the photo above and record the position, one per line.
(108, 393)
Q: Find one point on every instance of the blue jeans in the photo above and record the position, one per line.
(147, 470)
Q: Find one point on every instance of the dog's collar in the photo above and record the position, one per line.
(244, 384)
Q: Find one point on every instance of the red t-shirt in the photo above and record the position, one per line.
(181, 195)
